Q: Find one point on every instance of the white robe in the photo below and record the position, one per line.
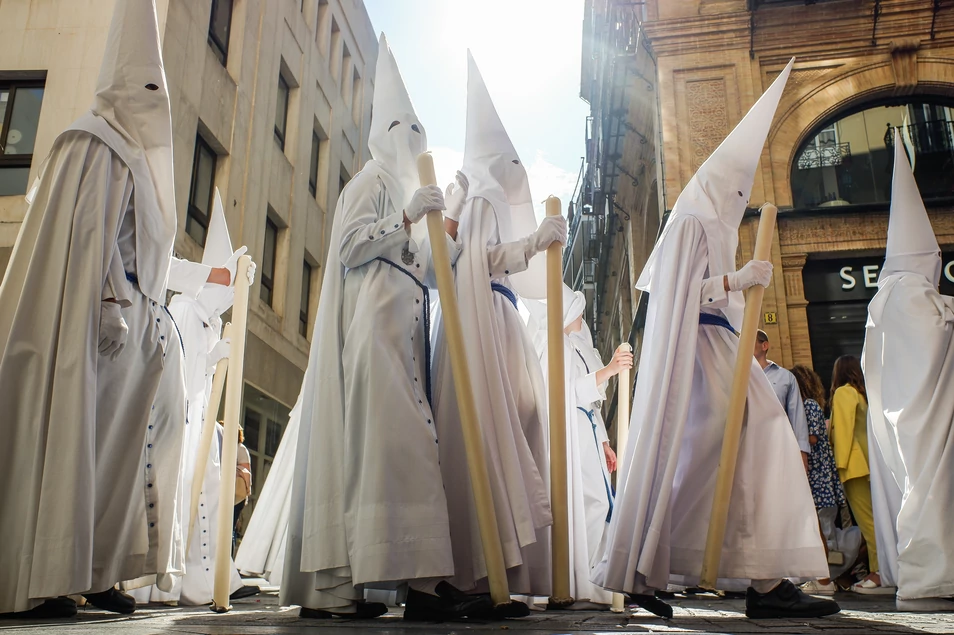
(510, 396)
(75, 517)
(909, 372)
(367, 503)
(665, 485)
(262, 551)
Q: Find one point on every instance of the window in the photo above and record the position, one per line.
(264, 423)
(303, 320)
(220, 25)
(323, 28)
(313, 168)
(345, 72)
(201, 190)
(281, 112)
(357, 91)
(335, 50)
(848, 160)
(343, 178)
(268, 261)
(20, 103)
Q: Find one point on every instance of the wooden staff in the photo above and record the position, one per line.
(622, 433)
(233, 408)
(733, 426)
(208, 433)
(560, 592)
(473, 441)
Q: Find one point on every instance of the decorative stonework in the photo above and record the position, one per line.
(708, 119)
(801, 76)
(904, 62)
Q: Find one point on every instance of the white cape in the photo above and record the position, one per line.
(665, 486)
(909, 372)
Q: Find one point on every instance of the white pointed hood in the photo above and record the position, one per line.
(216, 299)
(397, 136)
(495, 173)
(912, 246)
(574, 303)
(131, 114)
(719, 191)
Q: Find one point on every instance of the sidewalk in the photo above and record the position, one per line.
(261, 615)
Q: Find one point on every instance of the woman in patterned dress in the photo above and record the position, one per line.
(822, 475)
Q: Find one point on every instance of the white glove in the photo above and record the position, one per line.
(454, 197)
(232, 263)
(219, 352)
(755, 272)
(252, 267)
(426, 199)
(112, 331)
(552, 229)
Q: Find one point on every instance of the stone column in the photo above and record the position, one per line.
(792, 265)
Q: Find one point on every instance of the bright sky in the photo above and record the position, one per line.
(528, 52)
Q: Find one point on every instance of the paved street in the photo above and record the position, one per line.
(261, 615)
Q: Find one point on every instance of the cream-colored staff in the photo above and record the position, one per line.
(208, 432)
(623, 389)
(560, 593)
(233, 408)
(476, 461)
(736, 415)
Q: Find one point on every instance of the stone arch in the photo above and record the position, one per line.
(823, 92)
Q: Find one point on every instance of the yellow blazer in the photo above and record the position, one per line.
(849, 433)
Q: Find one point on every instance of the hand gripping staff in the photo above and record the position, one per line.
(233, 408)
(473, 442)
(733, 426)
(560, 590)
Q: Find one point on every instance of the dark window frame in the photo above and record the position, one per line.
(280, 133)
(193, 213)
(307, 270)
(268, 282)
(12, 84)
(314, 160)
(221, 49)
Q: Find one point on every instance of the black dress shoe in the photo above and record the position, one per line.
(786, 600)
(245, 592)
(652, 604)
(424, 607)
(364, 611)
(510, 610)
(112, 600)
(52, 609)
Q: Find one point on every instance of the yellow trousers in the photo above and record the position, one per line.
(858, 493)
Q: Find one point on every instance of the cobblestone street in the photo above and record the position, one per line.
(261, 615)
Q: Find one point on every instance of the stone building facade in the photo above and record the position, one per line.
(862, 68)
(271, 103)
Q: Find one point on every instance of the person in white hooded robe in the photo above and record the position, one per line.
(909, 370)
(200, 327)
(368, 508)
(85, 339)
(590, 457)
(498, 231)
(665, 487)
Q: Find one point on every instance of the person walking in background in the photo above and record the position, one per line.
(786, 389)
(243, 483)
(849, 440)
(822, 475)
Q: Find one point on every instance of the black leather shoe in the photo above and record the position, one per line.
(52, 609)
(364, 611)
(112, 600)
(786, 600)
(484, 610)
(424, 607)
(652, 604)
(245, 592)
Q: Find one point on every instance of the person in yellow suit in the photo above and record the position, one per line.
(849, 440)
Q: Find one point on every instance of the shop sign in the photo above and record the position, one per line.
(841, 280)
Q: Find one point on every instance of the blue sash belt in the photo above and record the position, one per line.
(426, 311)
(505, 292)
(715, 320)
(599, 450)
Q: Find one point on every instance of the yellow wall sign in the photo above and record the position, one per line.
(771, 318)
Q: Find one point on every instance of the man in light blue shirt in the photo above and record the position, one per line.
(786, 389)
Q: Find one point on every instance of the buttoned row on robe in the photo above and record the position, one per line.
(909, 370)
(666, 483)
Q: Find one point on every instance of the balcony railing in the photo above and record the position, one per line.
(824, 156)
(926, 136)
